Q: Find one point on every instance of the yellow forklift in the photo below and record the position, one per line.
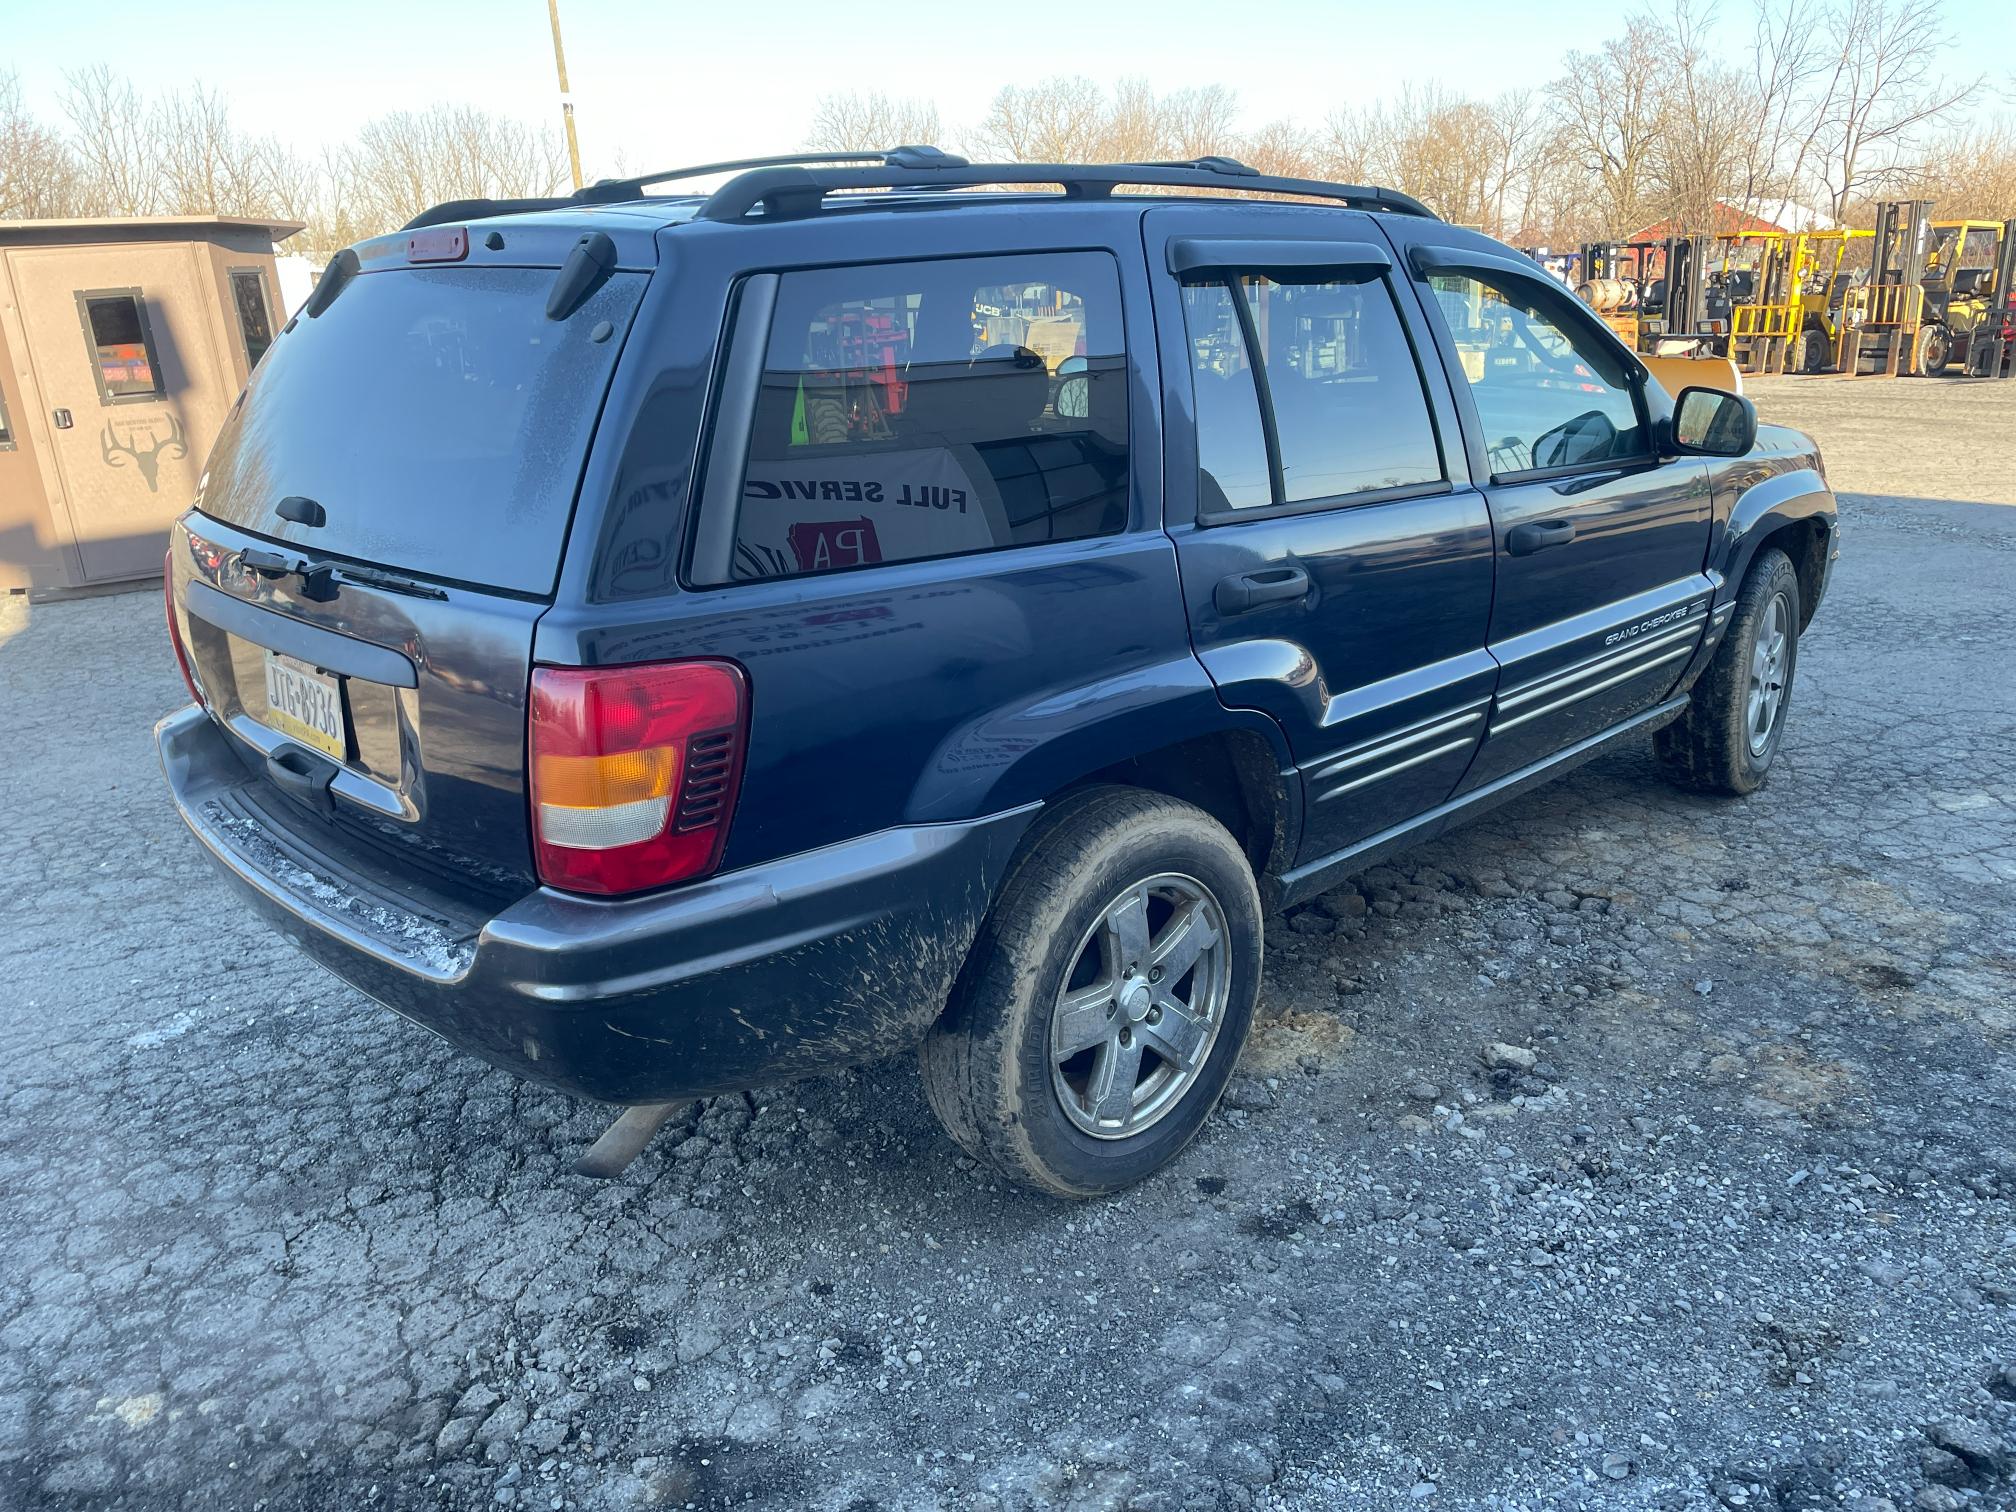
(1967, 296)
(1792, 286)
(1883, 317)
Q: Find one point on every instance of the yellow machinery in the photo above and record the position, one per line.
(1882, 318)
(1967, 296)
(1788, 315)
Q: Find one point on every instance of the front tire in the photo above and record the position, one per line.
(1813, 352)
(1935, 350)
(1107, 998)
(1735, 719)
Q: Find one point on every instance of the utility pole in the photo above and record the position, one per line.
(566, 99)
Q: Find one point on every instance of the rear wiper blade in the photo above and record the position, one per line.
(392, 582)
(318, 579)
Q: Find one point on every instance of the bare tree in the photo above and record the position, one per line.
(1700, 156)
(1062, 120)
(109, 136)
(401, 163)
(1199, 122)
(1350, 143)
(864, 122)
(208, 166)
(1473, 162)
(38, 177)
(1794, 72)
(1889, 93)
(1519, 137)
(1280, 147)
(1975, 174)
(1611, 110)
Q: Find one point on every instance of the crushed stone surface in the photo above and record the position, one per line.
(1624, 1150)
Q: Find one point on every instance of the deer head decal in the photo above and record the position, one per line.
(148, 461)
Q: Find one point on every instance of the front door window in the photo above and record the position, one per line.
(1548, 397)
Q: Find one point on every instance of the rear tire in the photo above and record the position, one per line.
(1735, 719)
(1107, 998)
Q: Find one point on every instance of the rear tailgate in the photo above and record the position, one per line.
(428, 691)
(378, 531)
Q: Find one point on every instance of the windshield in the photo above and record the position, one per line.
(436, 415)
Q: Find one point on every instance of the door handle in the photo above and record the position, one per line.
(1242, 591)
(1538, 535)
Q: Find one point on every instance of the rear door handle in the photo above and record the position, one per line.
(1538, 535)
(1242, 591)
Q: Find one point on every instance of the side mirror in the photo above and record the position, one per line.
(1074, 389)
(1713, 423)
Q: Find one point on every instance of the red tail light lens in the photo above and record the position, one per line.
(634, 772)
(175, 630)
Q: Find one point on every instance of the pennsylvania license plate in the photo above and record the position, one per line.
(305, 705)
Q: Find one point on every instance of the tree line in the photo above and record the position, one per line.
(1818, 108)
(115, 152)
(1823, 107)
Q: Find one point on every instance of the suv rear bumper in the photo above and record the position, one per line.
(829, 958)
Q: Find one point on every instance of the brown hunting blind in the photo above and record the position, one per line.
(123, 343)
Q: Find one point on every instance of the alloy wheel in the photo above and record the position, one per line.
(1141, 1006)
(1770, 663)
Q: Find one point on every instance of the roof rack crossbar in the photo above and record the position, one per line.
(786, 191)
(604, 191)
(797, 184)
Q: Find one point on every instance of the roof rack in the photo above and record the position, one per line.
(797, 184)
(615, 191)
(605, 191)
(790, 191)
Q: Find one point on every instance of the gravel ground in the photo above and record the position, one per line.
(1626, 1150)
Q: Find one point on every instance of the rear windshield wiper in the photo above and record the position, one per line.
(318, 579)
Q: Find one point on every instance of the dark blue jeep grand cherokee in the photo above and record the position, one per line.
(666, 644)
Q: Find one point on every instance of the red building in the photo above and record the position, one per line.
(1728, 220)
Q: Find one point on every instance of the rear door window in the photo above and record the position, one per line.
(1333, 407)
(930, 409)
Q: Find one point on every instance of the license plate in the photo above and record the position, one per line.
(305, 705)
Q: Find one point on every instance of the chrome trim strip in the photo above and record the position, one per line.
(1616, 656)
(1384, 745)
(1383, 773)
(1581, 693)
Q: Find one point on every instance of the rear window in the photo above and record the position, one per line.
(931, 409)
(437, 416)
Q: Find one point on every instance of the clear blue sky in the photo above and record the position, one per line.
(669, 83)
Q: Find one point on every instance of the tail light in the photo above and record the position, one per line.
(175, 629)
(634, 772)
